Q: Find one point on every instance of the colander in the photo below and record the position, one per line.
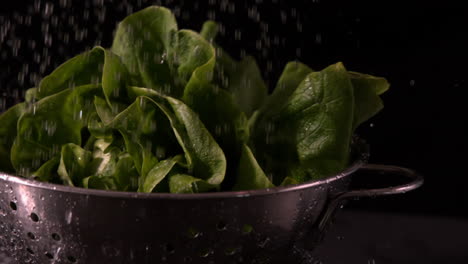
(48, 223)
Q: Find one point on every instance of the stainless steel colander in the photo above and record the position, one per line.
(47, 223)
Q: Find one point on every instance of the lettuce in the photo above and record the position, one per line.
(167, 110)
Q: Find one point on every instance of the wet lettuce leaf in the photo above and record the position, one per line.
(114, 80)
(48, 171)
(183, 183)
(8, 132)
(50, 123)
(312, 128)
(142, 41)
(74, 164)
(157, 174)
(205, 159)
(242, 79)
(367, 91)
(83, 69)
(168, 110)
(250, 174)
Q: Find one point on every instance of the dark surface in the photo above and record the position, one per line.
(388, 238)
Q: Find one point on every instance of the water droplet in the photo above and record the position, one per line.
(318, 38)
(48, 9)
(206, 252)
(68, 216)
(193, 233)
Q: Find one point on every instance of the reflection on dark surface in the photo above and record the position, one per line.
(388, 238)
(359, 237)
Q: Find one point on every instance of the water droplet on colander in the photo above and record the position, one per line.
(68, 216)
(193, 233)
(206, 252)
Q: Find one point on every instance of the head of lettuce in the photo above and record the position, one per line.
(167, 110)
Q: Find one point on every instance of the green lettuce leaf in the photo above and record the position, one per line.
(83, 69)
(126, 175)
(242, 79)
(183, 183)
(114, 81)
(50, 123)
(157, 174)
(145, 130)
(310, 129)
(205, 159)
(293, 74)
(99, 182)
(74, 164)
(48, 171)
(367, 91)
(250, 175)
(167, 110)
(8, 131)
(142, 41)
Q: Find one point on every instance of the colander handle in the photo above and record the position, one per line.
(416, 181)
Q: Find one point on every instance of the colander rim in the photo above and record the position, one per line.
(361, 157)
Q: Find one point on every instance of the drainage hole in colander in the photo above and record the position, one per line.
(49, 255)
(13, 206)
(31, 235)
(30, 251)
(71, 259)
(221, 226)
(169, 248)
(56, 237)
(34, 217)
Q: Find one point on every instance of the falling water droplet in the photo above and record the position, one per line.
(48, 9)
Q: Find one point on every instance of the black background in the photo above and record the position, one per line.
(420, 48)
